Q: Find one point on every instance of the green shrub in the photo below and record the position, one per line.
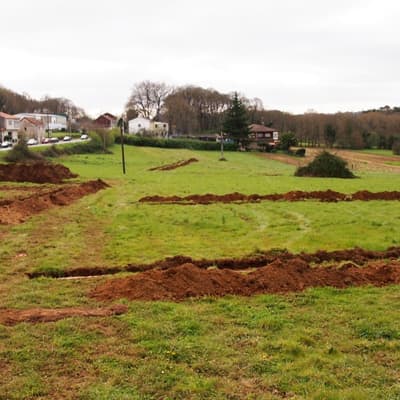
(326, 165)
(396, 147)
(300, 152)
(99, 141)
(21, 152)
(137, 140)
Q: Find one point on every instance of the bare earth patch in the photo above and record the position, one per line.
(298, 195)
(17, 210)
(35, 315)
(169, 167)
(190, 281)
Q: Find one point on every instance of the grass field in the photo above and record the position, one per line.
(321, 344)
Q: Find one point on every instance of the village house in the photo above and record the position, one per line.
(51, 122)
(32, 128)
(146, 126)
(106, 121)
(9, 128)
(263, 133)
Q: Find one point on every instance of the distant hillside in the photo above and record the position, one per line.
(14, 103)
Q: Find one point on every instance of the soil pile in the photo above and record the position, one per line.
(329, 196)
(37, 172)
(188, 280)
(13, 211)
(178, 164)
(356, 255)
(35, 315)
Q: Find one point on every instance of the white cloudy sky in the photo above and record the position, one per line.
(294, 55)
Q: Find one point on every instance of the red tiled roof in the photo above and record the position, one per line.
(33, 121)
(256, 128)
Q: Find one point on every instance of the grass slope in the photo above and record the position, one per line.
(320, 344)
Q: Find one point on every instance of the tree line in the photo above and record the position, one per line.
(14, 103)
(195, 110)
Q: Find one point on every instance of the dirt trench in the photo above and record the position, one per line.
(35, 172)
(189, 281)
(356, 255)
(329, 196)
(169, 167)
(17, 210)
(35, 315)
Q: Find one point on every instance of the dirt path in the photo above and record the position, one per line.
(357, 160)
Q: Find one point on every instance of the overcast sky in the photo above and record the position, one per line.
(294, 55)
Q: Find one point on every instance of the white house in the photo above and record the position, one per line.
(51, 122)
(144, 125)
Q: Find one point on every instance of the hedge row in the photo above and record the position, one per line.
(174, 143)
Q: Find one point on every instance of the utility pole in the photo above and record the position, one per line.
(221, 138)
(121, 124)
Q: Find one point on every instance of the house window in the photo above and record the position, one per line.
(165, 125)
(139, 126)
(156, 125)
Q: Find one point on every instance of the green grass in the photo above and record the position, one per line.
(320, 344)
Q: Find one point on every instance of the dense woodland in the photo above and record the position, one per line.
(192, 110)
(14, 103)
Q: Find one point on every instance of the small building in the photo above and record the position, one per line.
(51, 122)
(106, 121)
(263, 133)
(142, 125)
(9, 128)
(32, 128)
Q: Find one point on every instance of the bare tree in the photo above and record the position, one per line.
(148, 98)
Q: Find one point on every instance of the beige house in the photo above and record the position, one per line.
(32, 128)
(145, 126)
(9, 128)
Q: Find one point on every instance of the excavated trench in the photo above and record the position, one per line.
(329, 196)
(178, 164)
(356, 255)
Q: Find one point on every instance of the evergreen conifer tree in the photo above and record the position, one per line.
(236, 124)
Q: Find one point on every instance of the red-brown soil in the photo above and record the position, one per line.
(356, 255)
(178, 164)
(37, 172)
(35, 315)
(17, 210)
(298, 195)
(188, 280)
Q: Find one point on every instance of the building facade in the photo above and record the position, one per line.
(142, 125)
(51, 122)
(9, 128)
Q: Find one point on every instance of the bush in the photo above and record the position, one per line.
(326, 165)
(21, 152)
(287, 140)
(138, 140)
(300, 152)
(396, 147)
(99, 141)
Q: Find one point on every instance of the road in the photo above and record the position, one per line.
(60, 143)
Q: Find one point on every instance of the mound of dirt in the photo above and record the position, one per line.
(178, 164)
(37, 172)
(13, 211)
(35, 315)
(356, 255)
(188, 280)
(297, 195)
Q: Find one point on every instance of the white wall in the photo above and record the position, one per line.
(138, 124)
